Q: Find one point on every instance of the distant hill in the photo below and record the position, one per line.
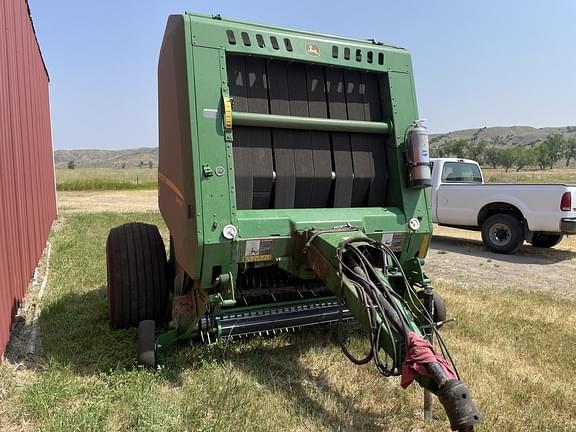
(503, 136)
(106, 158)
(498, 136)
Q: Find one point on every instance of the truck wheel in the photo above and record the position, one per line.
(137, 275)
(544, 240)
(502, 233)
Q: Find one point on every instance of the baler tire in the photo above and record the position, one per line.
(545, 240)
(146, 344)
(439, 306)
(505, 225)
(137, 275)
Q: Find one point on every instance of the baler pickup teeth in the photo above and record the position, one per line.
(272, 321)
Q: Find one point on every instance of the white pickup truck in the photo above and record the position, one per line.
(507, 214)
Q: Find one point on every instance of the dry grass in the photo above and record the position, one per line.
(556, 175)
(125, 201)
(90, 179)
(516, 350)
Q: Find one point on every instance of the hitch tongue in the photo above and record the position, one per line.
(457, 402)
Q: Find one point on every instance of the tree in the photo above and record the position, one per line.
(71, 164)
(570, 150)
(542, 156)
(555, 145)
(141, 164)
(457, 148)
(150, 164)
(437, 152)
(506, 157)
(491, 157)
(123, 165)
(477, 151)
(523, 156)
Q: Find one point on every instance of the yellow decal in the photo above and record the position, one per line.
(227, 113)
(257, 258)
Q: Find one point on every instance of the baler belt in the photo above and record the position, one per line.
(263, 165)
(301, 142)
(321, 154)
(340, 141)
(282, 139)
(254, 165)
(362, 162)
(373, 112)
(313, 169)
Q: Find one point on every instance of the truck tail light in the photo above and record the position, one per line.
(566, 201)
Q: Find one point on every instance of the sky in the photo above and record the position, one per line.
(482, 63)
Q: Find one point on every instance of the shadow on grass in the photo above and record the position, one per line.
(76, 334)
(527, 254)
(284, 370)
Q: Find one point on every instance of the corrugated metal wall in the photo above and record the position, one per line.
(27, 191)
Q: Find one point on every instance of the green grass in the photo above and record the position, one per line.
(516, 350)
(91, 179)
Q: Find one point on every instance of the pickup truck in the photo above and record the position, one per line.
(507, 214)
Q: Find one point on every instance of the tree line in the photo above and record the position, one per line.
(543, 154)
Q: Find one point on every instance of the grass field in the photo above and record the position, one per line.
(94, 179)
(91, 179)
(556, 175)
(517, 351)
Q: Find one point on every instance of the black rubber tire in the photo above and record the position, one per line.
(502, 233)
(439, 306)
(545, 240)
(146, 344)
(137, 275)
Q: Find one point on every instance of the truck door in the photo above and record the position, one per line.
(455, 193)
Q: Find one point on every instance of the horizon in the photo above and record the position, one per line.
(474, 64)
(431, 135)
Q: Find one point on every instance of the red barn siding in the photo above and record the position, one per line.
(27, 190)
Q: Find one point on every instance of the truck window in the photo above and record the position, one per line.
(461, 172)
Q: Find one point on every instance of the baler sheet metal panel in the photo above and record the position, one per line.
(279, 168)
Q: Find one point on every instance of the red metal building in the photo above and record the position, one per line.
(27, 189)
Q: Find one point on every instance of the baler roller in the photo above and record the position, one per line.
(310, 123)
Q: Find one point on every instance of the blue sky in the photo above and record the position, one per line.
(489, 63)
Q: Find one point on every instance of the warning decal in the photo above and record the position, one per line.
(258, 250)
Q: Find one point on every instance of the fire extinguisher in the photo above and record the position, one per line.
(418, 156)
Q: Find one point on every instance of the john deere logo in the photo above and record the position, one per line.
(312, 50)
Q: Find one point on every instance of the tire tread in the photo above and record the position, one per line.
(137, 275)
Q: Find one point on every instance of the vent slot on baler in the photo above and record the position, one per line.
(287, 168)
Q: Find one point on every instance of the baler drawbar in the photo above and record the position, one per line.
(292, 181)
